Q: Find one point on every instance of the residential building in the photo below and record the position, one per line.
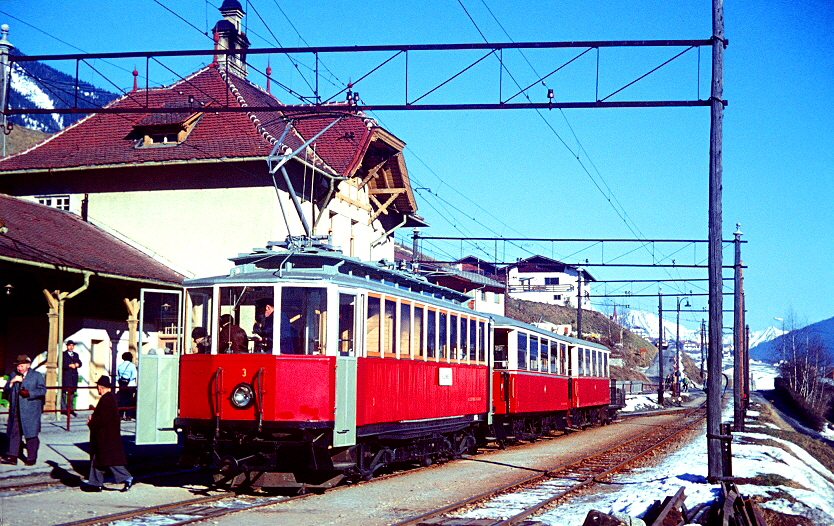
(546, 280)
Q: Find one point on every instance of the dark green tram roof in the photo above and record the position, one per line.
(318, 264)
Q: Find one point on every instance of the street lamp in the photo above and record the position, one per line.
(678, 347)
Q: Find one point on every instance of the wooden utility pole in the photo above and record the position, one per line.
(579, 303)
(715, 467)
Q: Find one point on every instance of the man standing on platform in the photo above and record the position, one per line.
(26, 393)
(69, 377)
(106, 450)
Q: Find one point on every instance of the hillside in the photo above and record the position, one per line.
(23, 138)
(768, 351)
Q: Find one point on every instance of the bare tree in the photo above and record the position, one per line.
(804, 362)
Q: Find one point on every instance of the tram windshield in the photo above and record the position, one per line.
(303, 320)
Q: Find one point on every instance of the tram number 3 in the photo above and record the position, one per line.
(244, 373)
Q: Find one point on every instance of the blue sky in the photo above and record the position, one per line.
(515, 173)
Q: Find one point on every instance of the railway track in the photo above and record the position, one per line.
(559, 483)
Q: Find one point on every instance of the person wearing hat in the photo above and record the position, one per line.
(106, 450)
(69, 377)
(26, 393)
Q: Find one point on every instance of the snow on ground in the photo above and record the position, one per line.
(754, 454)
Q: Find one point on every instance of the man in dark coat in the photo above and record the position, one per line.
(26, 392)
(233, 339)
(69, 376)
(106, 450)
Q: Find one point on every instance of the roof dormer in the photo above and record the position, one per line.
(165, 129)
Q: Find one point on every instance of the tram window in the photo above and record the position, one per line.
(534, 353)
(581, 356)
(431, 334)
(454, 338)
(587, 362)
(374, 330)
(544, 355)
(522, 351)
(390, 339)
(419, 327)
(443, 335)
(199, 318)
(473, 340)
(241, 307)
(554, 357)
(464, 338)
(347, 324)
(563, 355)
(483, 344)
(303, 320)
(405, 330)
(605, 365)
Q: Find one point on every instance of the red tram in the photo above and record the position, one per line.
(350, 366)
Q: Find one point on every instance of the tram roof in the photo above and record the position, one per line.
(313, 263)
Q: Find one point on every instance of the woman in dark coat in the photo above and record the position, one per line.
(106, 450)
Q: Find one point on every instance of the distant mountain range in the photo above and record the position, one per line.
(36, 85)
(768, 351)
(648, 322)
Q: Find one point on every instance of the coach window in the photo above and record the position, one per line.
(389, 341)
(580, 352)
(522, 351)
(605, 365)
(431, 334)
(347, 324)
(303, 320)
(534, 353)
(563, 359)
(454, 338)
(464, 338)
(588, 362)
(443, 335)
(374, 330)
(419, 331)
(483, 344)
(554, 357)
(405, 330)
(473, 340)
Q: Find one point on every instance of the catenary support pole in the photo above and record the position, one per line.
(738, 339)
(715, 463)
(660, 348)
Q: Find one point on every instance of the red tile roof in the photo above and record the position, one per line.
(105, 139)
(41, 234)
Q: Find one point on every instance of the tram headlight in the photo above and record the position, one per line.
(242, 396)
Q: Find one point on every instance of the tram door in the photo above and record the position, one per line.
(159, 347)
(349, 339)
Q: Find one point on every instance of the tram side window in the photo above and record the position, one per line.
(405, 330)
(303, 320)
(522, 351)
(374, 330)
(431, 334)
(390, 341)
(473, 341)
(500, 354)
(587, 362)
(199, 317)
(464, 338)
(443, 335)
(454, 338)
(581, 355)
(534, 353)
(563, 357)
(605, 365)
(483, 344)
(554, 357)
(419, 327)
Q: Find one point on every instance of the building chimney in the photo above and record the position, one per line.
(229, 36)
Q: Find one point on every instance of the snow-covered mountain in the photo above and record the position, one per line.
(771, 333)
(36, 85)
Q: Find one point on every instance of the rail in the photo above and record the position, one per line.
(577, 475)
